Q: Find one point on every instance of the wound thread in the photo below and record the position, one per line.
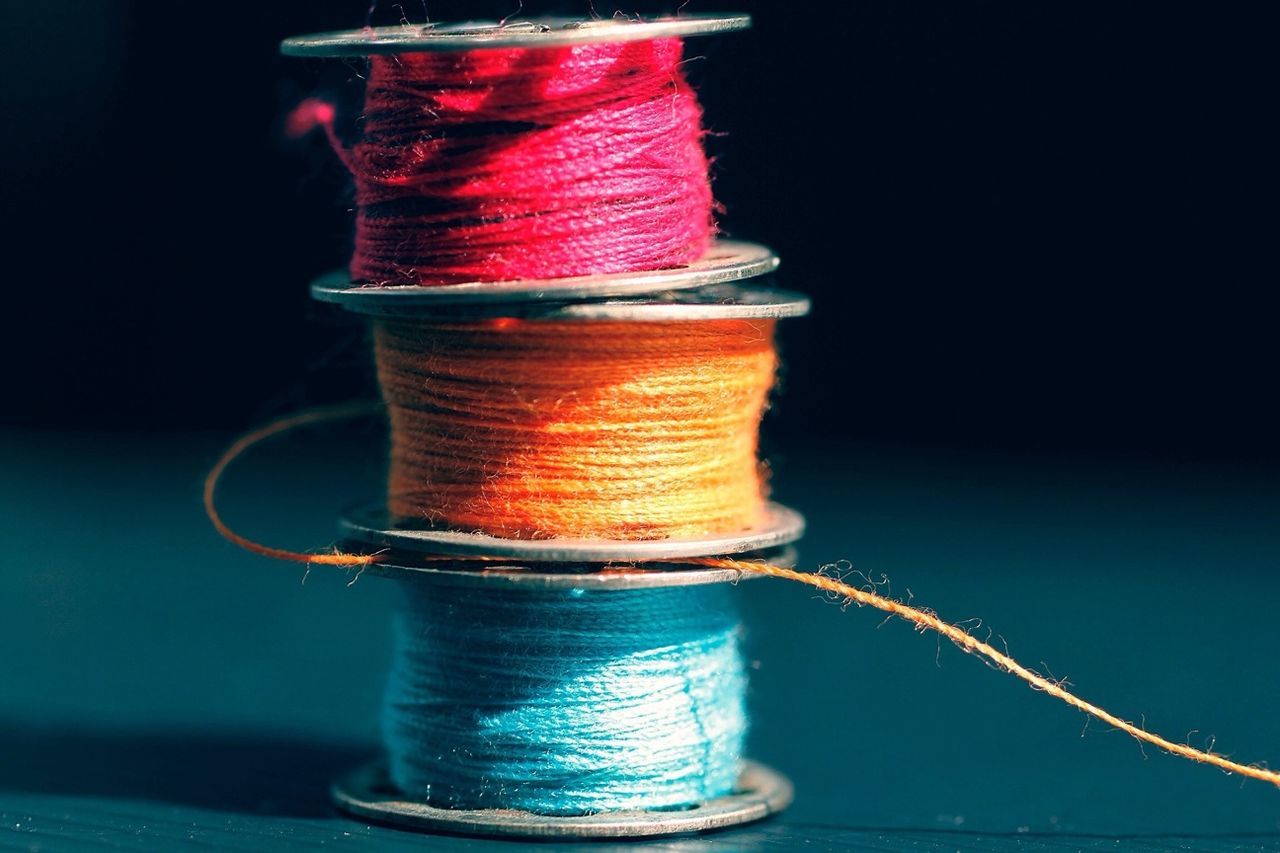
(613, 430)
(524, 163)
(565, 701)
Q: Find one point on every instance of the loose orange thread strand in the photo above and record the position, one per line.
(922, 619)
(312, 416)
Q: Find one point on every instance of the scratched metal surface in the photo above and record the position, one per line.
(160, 690)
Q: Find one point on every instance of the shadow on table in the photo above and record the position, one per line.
(230, 771)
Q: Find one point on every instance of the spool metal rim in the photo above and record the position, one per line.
(367, 793)
(475, 35)
(724, 261)
(373, 525)
(575, 576)
(713, 302)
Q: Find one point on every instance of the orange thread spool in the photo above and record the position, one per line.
(540, 429)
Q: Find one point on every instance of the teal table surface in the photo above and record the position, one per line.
(162, 690)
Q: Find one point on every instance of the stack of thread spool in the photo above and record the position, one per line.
(575, 373)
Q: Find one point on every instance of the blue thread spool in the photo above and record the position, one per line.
(569, 701)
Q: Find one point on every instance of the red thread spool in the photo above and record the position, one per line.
(526, 163)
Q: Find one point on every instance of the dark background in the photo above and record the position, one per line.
(1044, 227)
